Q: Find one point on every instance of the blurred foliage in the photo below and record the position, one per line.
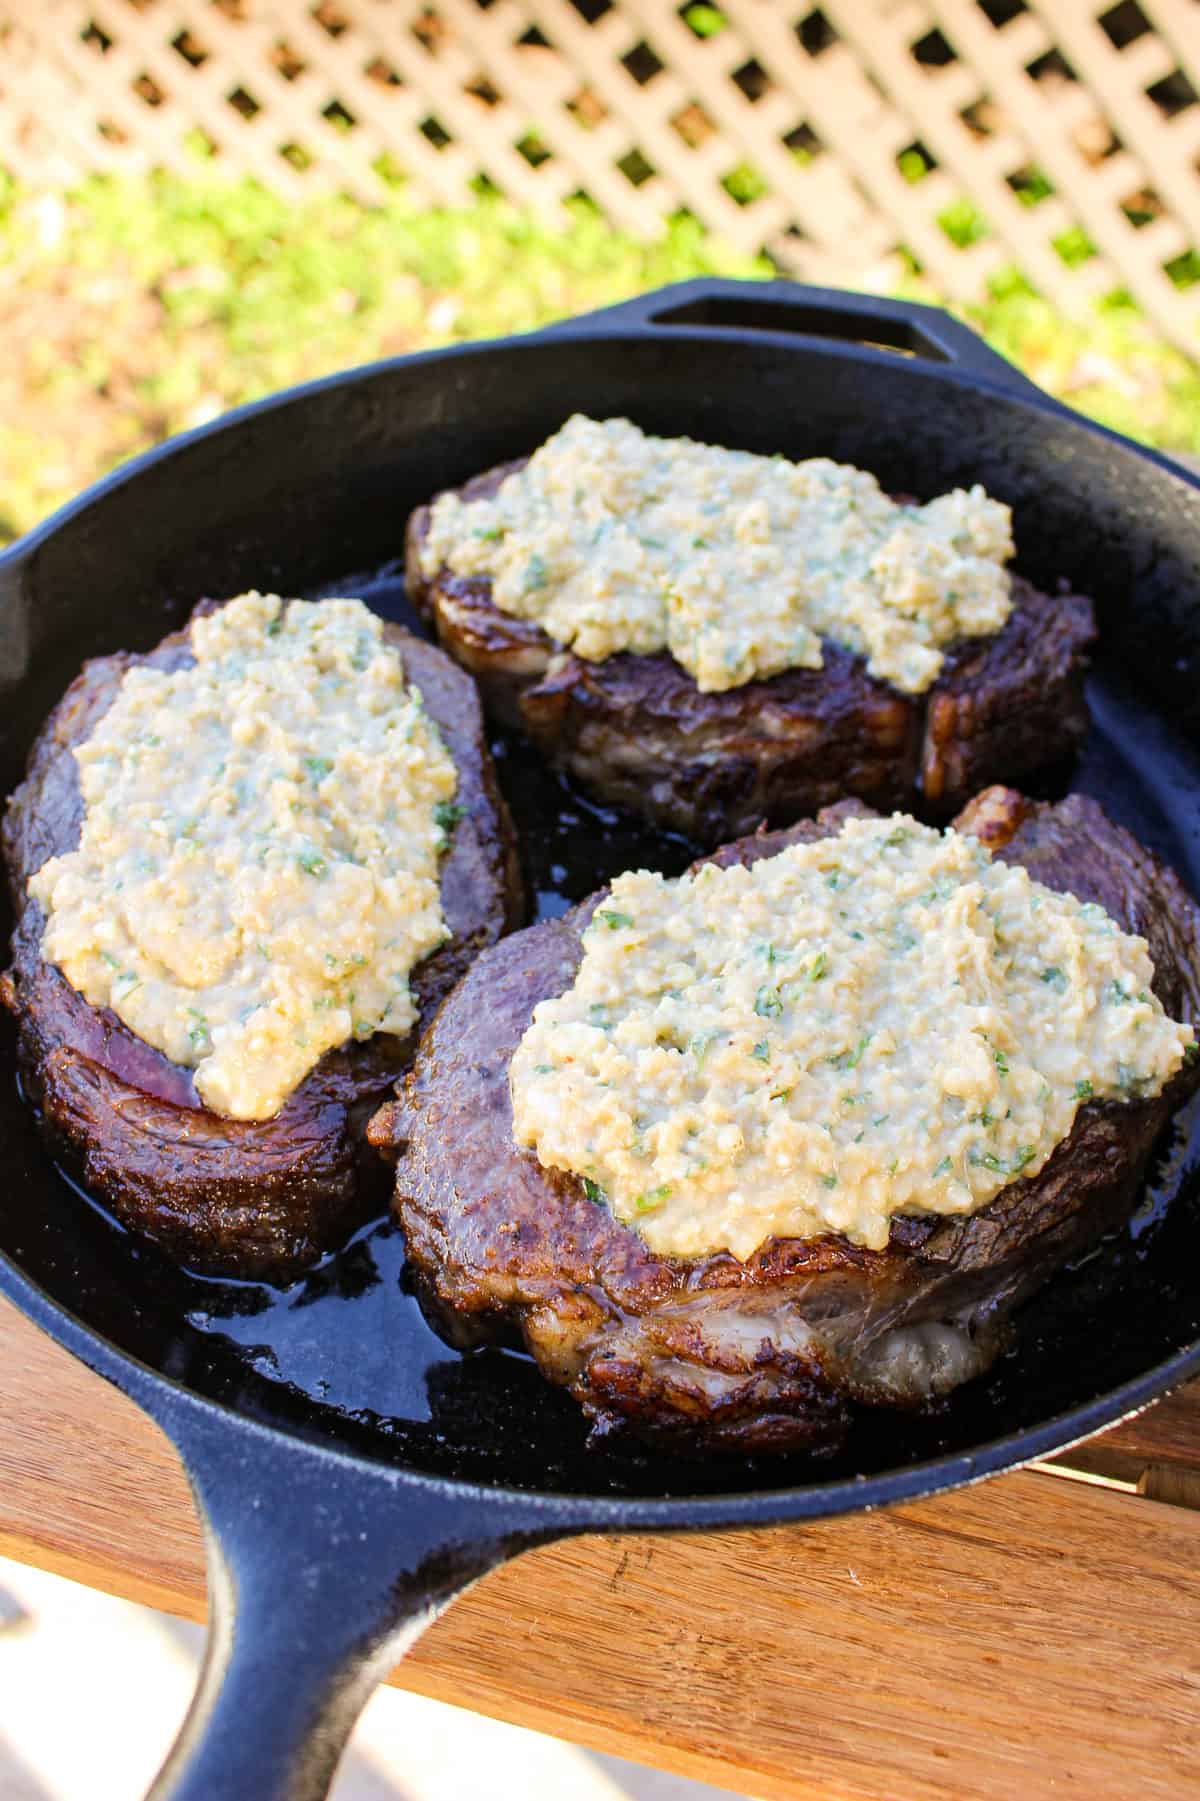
(705, 21)
(136, 308)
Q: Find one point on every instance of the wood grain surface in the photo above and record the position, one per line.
(1031, 1637)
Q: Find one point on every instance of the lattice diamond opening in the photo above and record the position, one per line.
(849, 141)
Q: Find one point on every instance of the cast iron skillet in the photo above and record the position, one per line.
(352, 1472)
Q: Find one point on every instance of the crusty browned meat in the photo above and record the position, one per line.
(636, 730)
(770, 1353)
(244, 1198)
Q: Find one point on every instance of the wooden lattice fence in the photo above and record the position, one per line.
(1059, 136)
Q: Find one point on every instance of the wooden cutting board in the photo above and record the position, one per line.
(1036, 1636)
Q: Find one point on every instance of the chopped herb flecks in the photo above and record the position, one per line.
(951, 1063)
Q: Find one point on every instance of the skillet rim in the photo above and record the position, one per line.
(177, 1408)
(1020, 390)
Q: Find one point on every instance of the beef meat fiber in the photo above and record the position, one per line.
(770, 1354)
(258, 1199)
(637, 731)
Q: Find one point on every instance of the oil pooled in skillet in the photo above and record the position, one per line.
(346, 1349)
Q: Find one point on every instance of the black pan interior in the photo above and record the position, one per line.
(345, 1353)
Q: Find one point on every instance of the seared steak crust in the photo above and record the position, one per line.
(769, 1353)
(637, 730)
(244, 1198)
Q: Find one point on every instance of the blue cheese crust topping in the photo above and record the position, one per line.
(885, 1021)
(736, 564)
(257, 871)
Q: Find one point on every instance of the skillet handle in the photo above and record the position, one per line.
(321, 1573)
(815, 315)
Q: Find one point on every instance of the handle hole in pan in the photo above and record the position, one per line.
(738, 314)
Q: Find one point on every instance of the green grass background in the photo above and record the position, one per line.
(134, 308)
